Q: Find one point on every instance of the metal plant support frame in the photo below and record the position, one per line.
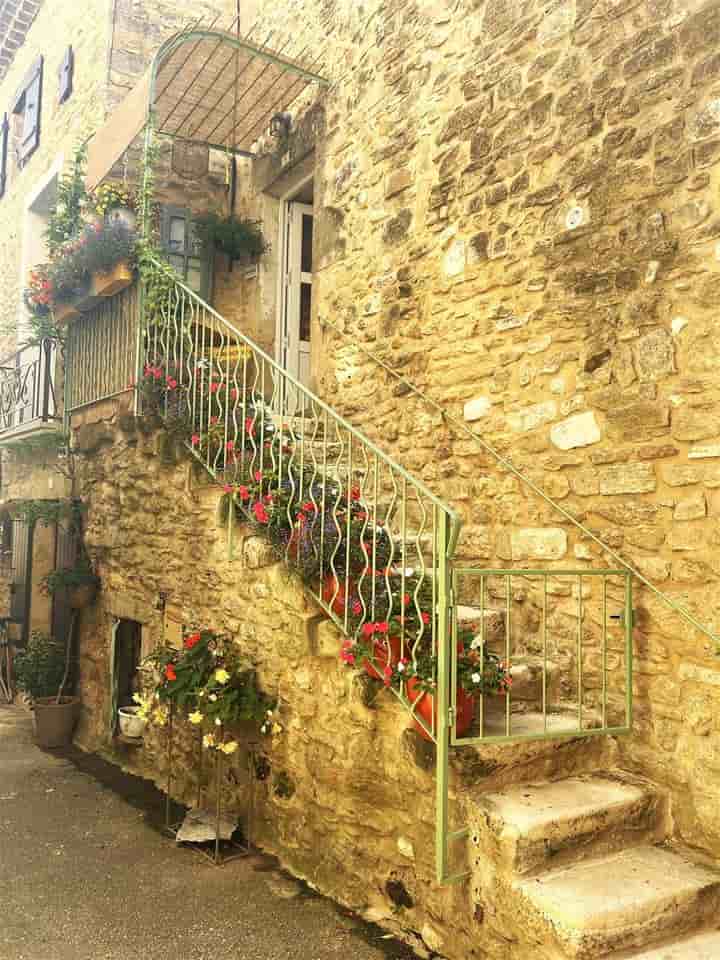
(216, 855)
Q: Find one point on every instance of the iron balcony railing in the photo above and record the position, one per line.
(27, 388)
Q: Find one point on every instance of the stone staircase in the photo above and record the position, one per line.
(581, 868)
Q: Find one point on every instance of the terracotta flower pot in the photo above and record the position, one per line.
(427, 710)
(81, 596)
(112, 282)
(55, 722)
(386, 651)
(329, 585)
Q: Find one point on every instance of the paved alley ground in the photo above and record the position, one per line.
(84, 876)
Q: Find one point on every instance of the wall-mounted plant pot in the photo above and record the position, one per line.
(55, 722)
(81, 596)
(112, 282)
(131, 725)
(386, 653)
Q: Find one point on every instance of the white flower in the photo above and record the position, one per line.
(476, 678)
(222, 676)
(401, 667)
(195, 717)
(201, 693)
(213, 697)
(137, 699)
(208, 740)
(229, 747)
(218, 722)
(476, 643)
(264, 728)
(269, 713)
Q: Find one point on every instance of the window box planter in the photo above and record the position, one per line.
(112, 282)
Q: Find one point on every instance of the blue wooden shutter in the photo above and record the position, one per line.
(65, 76)
(32, 109)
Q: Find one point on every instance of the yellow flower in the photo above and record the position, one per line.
(229, 747)
(208, 740)
(222, 676)
(196, 717)
(276, 729)
(160, 716)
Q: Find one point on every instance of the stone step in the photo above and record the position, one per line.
(703, 946)
(537, 825)
(623, 901)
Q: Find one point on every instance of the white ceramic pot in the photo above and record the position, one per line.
(131, 725)
(122, 215)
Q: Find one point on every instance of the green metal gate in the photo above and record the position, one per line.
(530, 654)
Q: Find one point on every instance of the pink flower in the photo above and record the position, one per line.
(249, 426)
(244, 493)
(171, 383)
(368, 629)
(425, 617)
(258, 475)
(230, 445)
(355, 493)
(357, 608)
(214, 387)
(227, 488)
(406, 599)
(382, 627)
(194, 440)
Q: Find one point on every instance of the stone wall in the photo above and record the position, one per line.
(517, 208)
(345, 795)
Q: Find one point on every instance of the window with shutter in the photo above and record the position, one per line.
(185, 250)
(28, 106)
(4, 137)
(67, 68)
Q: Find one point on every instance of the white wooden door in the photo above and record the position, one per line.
(298, 291)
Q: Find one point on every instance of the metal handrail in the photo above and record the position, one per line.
(508, 465)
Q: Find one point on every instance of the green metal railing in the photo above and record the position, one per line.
(373, 544)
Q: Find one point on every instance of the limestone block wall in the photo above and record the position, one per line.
(517, 208)
(345, 795)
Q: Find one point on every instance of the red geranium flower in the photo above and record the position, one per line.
(244, 493)
(190, 641)
(170, 672)
(194, 440)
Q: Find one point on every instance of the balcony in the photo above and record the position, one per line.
(28, 400)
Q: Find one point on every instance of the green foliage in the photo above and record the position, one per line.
(210, 677)
(238, 238)
(40, 667)
(66, 216)
(67, 578)
(47, 512)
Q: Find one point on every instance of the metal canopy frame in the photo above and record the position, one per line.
(206, 86)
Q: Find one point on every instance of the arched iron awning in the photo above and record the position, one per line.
(204, 86)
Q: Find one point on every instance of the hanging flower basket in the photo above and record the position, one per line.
(112, 282)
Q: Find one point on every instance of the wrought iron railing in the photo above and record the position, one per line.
(27, 387)
(371, 542)
(101, 350)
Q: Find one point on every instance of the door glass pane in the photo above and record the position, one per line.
(177, 233)
(194, 274)
(305, 299)
(307, 241)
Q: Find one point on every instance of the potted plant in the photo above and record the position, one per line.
(476, 675)
(237, 237)
(115, 204)
(80, 582)
(41, 670)
(107, 254)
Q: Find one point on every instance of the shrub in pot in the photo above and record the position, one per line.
(41, 671)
